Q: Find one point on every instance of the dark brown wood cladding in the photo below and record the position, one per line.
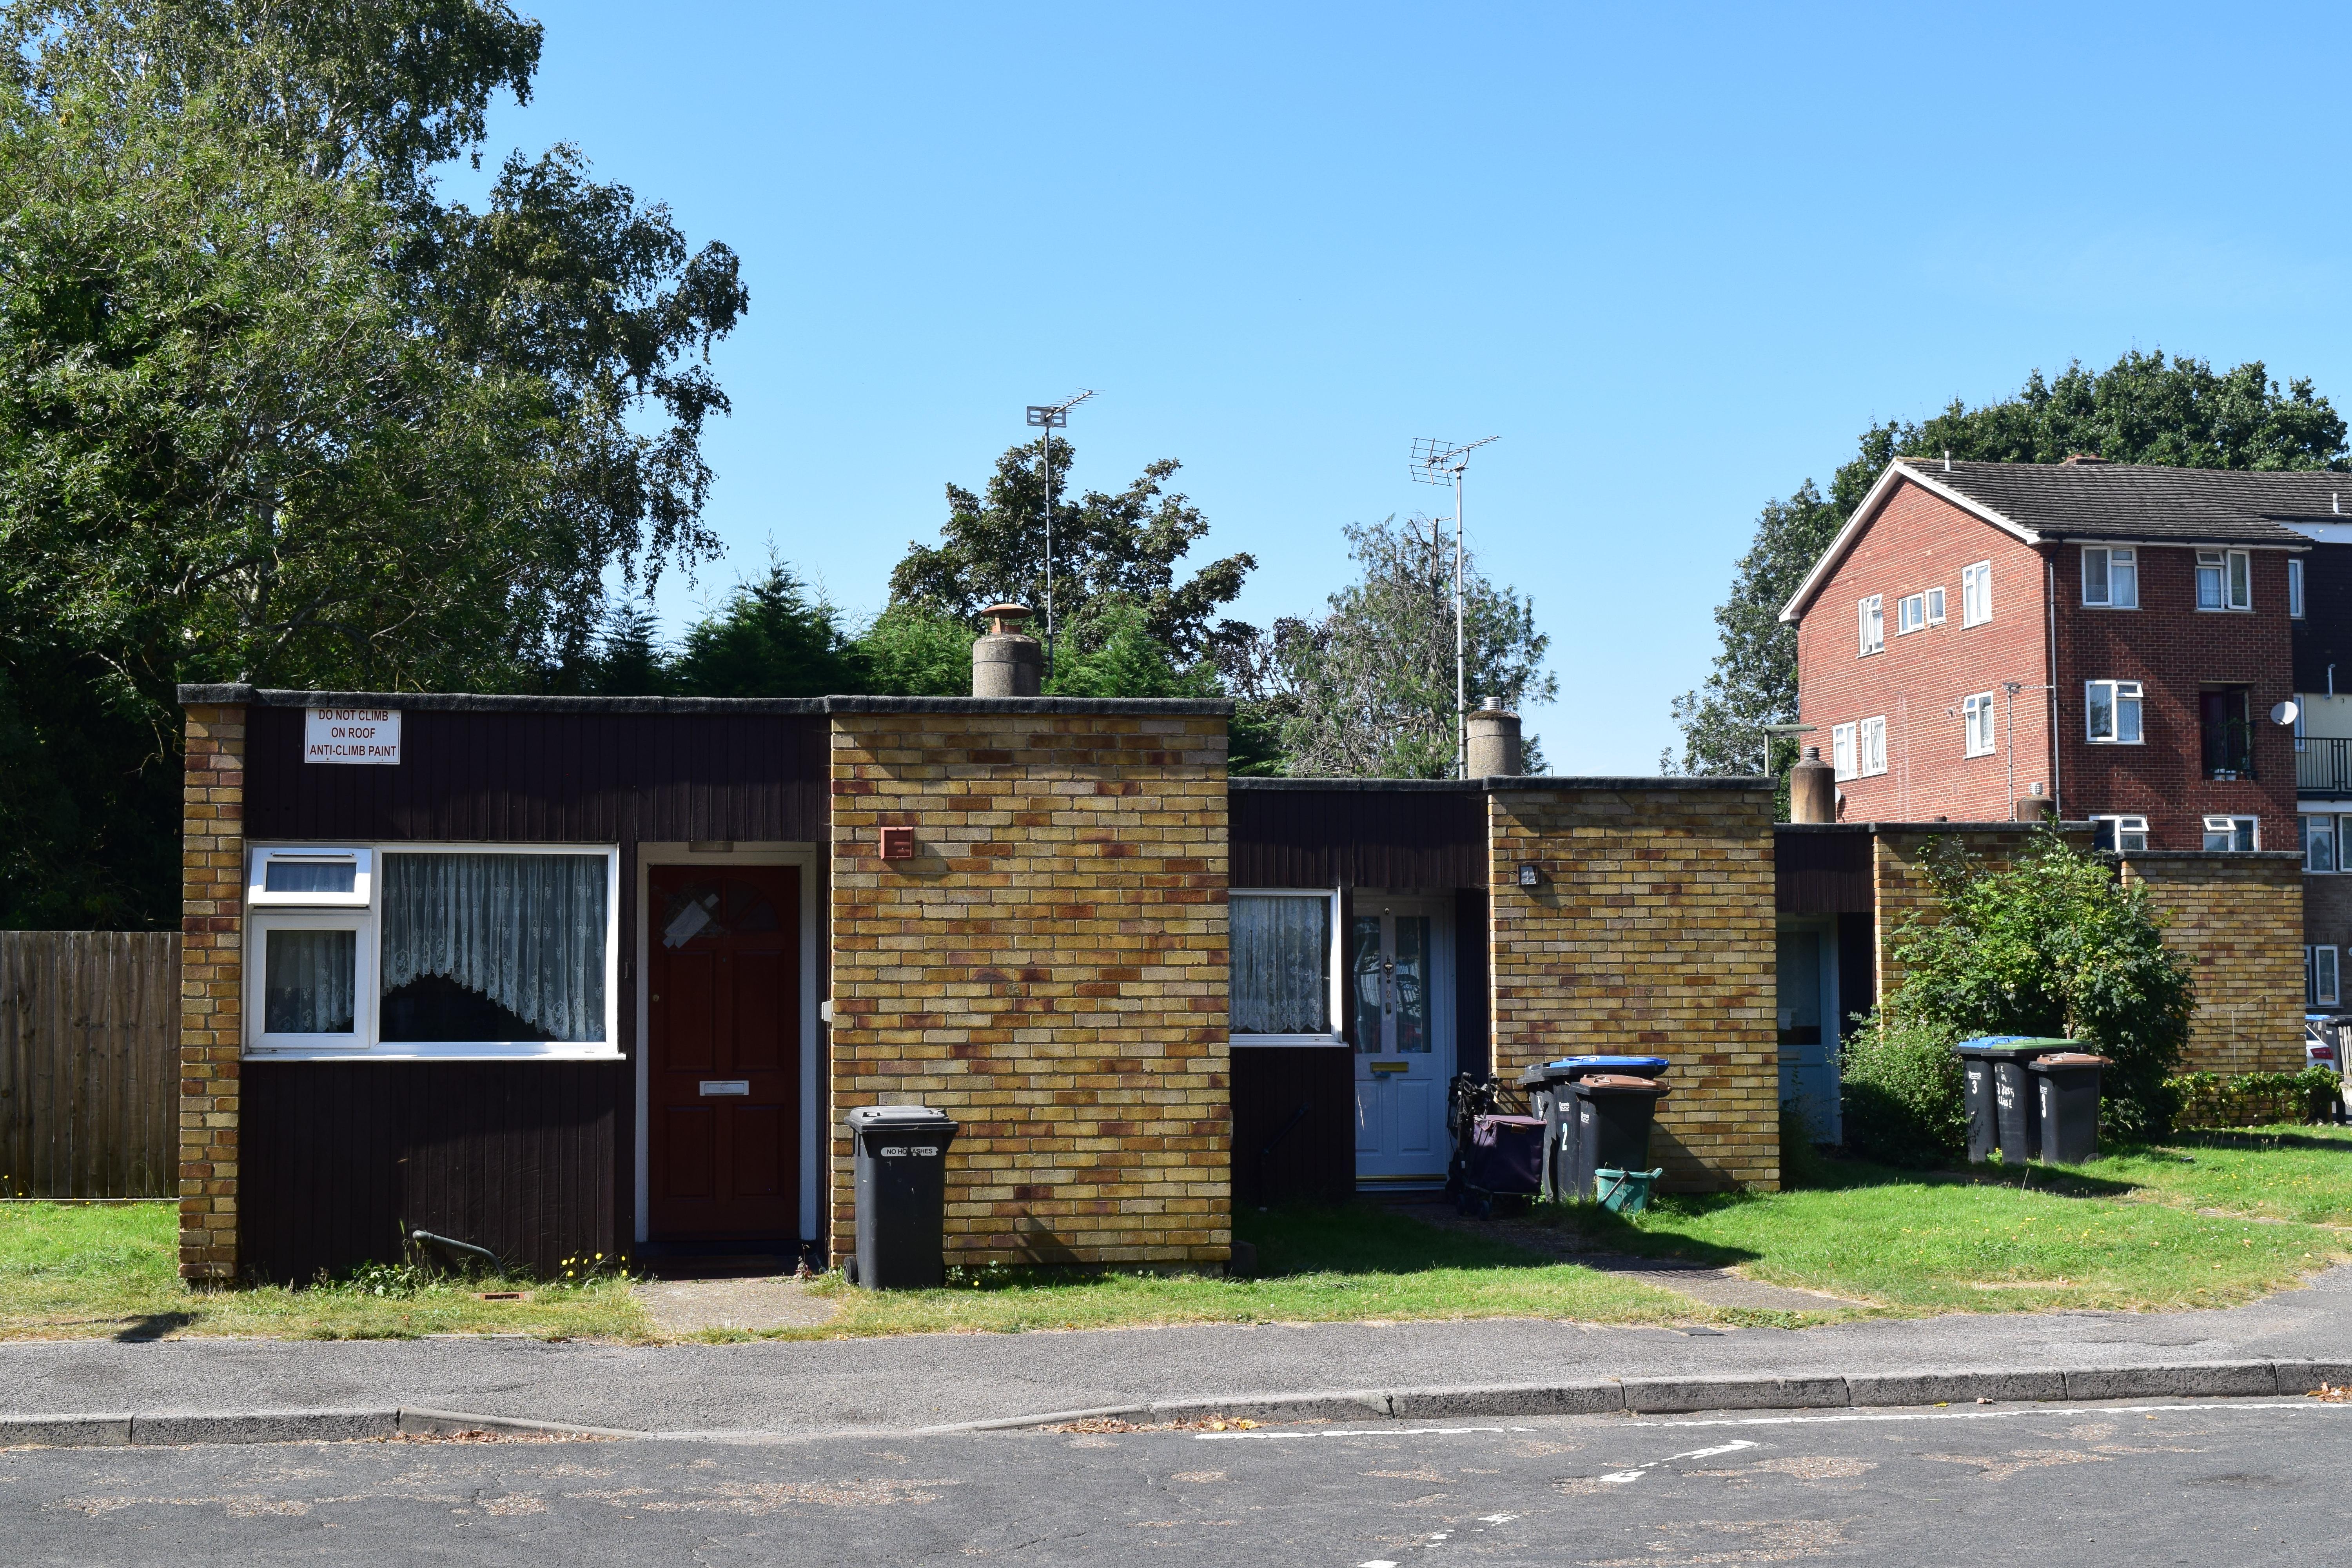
(1358, 838)
(1294, 1124)
(341, 1158)
(1471, 1050)
(1817, 873)
(549, 778)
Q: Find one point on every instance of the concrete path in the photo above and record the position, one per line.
(939, 1379)
(691, 1306)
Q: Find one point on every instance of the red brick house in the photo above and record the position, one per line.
(2110, 639)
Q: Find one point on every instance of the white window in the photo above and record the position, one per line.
(2294, 586)
(1873, 624)
(2111, 577)
(1284, 980)
(1910, 614)
(1873, 758)
(1935, 606)
(2120, 834)
(1976, 594)
(2239, 833)
(1977, 712)
(447, 950)
(307, 878)
(2224, 580)
(1842, 751)
(2319, 976)
(2319, 844)
(2111, 711)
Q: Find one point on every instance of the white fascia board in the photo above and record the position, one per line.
(1895, 473)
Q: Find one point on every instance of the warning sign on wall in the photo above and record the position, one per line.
(353, 735)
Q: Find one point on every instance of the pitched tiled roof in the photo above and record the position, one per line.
(2142, 501)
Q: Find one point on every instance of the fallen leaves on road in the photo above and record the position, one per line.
(2331, 1394)
(1093, 1425)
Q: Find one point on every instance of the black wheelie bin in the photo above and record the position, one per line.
(1547, 1083)
(1611, 1112)
(901, 1186)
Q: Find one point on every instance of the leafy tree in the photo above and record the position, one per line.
(2145, 408)
(2056, 945)
(1368, 690)
(1111, 551)
(1127, 661)
(272, 410)
(909, 651)
(773, 638)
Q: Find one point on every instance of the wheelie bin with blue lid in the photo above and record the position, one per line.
(1545, 1086)
(2002, 1102)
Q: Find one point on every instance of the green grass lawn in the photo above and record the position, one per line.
(2124, 1233)
(110, 1271)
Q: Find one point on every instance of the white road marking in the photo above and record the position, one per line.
(1376, 1562)
(1624, 1477)
(1496, 1518)
(1366, 1432)
(1619, 1477)
(2031, 1410)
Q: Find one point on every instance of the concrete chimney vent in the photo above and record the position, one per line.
(1492, 744)
(1007, 661)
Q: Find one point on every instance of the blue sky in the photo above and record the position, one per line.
(1676, 257)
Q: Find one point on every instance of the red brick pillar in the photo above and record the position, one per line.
(212, 987)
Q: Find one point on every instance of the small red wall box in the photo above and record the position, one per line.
(897, 844)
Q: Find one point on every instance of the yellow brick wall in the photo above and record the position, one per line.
(1650, 934)
(1049, 970)
(212, 979)
(2239, 920)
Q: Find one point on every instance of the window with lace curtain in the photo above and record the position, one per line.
(1283, 980)
(452, 950)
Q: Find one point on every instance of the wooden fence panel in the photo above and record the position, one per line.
(90, 1032)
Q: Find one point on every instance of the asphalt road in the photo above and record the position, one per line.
(2211, 1484)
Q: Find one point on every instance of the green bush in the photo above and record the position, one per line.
(1901, 1092)
(2054, 945)
(2254, 1098)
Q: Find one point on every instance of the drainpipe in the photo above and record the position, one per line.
(2050, 594)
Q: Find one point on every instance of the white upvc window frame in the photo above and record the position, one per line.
(259, 926)
(1335, 1003)
(1983, 732)
(2321, 976)
(2233, 579)
(1976, 594)
(1870, 750)
(2119, 693)
(2315, 830)
(2227, 826)
(2119, 827)
(1844, 747)
(1872, 613)
(2110, 557)
(1935, 607)
(1910, 614)
(2295, 587)
(258, 895)
(321, 914)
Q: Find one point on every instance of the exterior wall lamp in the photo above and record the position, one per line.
(1531, 874)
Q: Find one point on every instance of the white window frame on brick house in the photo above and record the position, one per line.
(2123, 702)
(311, 877)
(1334, 964)
(1976, 713)
(1910, 614)
(1976, 594)
(1842, 751)
(2239, 835)
(1870, 749)
(1935, 606)
(293, 910)
(2119, 834)
(2319, 844)
(2320, 977)
(2295, 587)
(2110, 577)
(1872, 614)
(2225, 580)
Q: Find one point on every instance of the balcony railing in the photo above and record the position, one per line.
(2324, 766)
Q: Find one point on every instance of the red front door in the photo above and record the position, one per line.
(721, 1052)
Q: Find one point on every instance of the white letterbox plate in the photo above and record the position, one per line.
(726, 1086)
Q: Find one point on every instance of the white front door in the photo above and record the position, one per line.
(1809, 1024)
(1400, 966)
